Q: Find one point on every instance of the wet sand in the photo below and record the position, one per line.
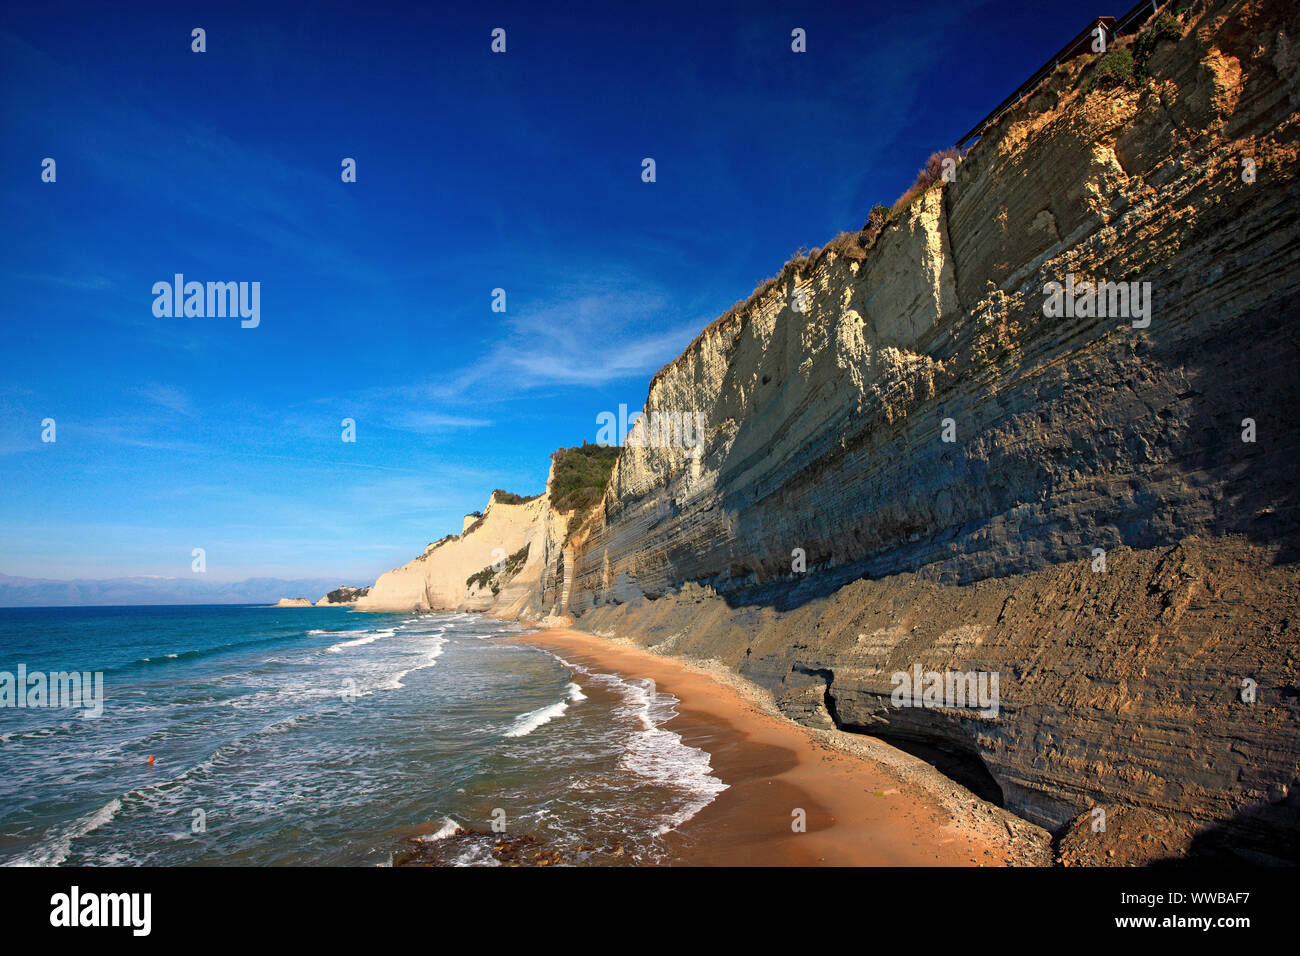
(857, 811)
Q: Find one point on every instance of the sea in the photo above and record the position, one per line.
(255, 736)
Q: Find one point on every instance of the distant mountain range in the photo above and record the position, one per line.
(44, 592)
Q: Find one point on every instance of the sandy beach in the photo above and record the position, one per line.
(864, 803)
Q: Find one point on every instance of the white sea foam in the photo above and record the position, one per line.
(56, 850)
(656, 754)
(663, 757)
(525, 724)
(449, 828)
(367, 637)
(428, 660)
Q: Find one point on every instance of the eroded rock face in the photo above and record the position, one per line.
(824, 432)
(1169, 681)
(823, 428)
(438, 579)
(540, 585)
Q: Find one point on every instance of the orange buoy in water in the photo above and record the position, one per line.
(151, 760)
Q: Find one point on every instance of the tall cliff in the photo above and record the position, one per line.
(947, 456)
(508, 559)
(439, 579)
(823, 427)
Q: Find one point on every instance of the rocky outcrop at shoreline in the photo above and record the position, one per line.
(909, 459)
(342, 595)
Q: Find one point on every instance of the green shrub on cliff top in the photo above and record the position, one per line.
(877, 218)
(580, 476)
(510, 498)
(1113, 69)
(1129, 67)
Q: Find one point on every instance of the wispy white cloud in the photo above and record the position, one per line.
(421, 421)
(168, 397)
(588, 334)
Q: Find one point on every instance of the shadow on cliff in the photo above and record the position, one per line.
(1263, 835)
(1249, 370)
(1181, 392)
(960, 765)
(1204, 480)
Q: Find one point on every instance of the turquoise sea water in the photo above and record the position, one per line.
(322, 736)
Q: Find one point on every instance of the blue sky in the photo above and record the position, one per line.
(474, 171)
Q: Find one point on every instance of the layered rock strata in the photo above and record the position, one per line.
(910, 458)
